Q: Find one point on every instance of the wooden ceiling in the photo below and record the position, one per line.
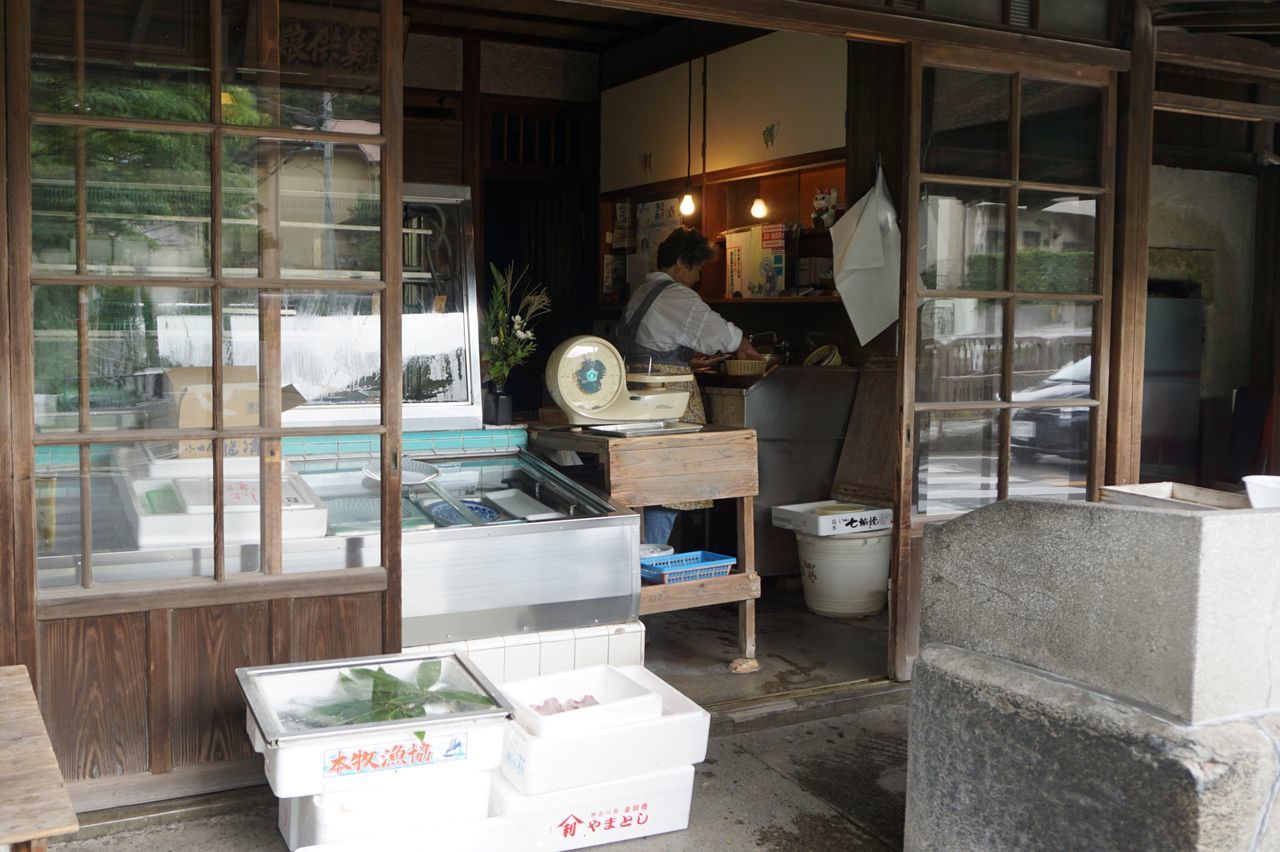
(1258, 19)
(538, 22)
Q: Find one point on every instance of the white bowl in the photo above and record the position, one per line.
(1264, 491)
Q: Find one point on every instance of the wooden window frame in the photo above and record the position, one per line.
(29, 604)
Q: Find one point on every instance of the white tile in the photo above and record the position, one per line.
(626, 644)
(522, 657)
(590, 646)
(556, 654)
(489, 656)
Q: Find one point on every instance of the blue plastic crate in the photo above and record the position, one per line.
(683, 567)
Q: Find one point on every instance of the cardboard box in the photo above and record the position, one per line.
(190, 393)
(831, 517)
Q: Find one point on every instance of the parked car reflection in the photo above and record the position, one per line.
(1053, 431)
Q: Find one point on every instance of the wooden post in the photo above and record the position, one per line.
(1129, 286)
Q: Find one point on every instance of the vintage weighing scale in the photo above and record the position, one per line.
(587, 378)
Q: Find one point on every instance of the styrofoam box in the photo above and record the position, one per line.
(300, 768)
(621, 701)
(484, 835)
(349, 815)
(819, 519)
(535, 765)
(622, 809)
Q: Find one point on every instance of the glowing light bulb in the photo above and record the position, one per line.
(759, 209)
(686, 205)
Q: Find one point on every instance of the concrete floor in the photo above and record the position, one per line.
(835, 784)
(691, 649)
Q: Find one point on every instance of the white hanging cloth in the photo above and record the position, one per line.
(867, 244)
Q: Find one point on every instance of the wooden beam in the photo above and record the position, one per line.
(470, 33)
(841, 21)
(1247, 57)
(1254, 20)
(499, 17)
(1129, 284)
(8, 649)
(1214, 107)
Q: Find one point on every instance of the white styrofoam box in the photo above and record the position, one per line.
(535, 765)
(831, 517)
(621, 809)
(626, 644)
(489, 656)
(555, 651)
(621, 701)
(332, 764)
(523, 656)
(590, 646)
(483, 835)
(351, 814)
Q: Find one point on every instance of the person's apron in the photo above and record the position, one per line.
(672, 363)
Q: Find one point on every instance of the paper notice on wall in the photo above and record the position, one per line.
(655, 220)
(866, 243)
(609, 283)
(637, 269)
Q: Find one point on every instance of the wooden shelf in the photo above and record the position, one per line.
(731, 588)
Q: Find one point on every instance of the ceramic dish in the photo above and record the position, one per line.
(412, 472)
(443, 513)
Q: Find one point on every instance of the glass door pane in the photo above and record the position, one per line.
(965, 123)
(962, 237)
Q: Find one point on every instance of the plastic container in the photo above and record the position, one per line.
(845, 575)
(534, 765)
(683, 567)
(622, 809)
(648, 551)
(1264, 491)
(350, 815)
(621, 701)
(484, 835)
(832, 517)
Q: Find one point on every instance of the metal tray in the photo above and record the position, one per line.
(652, 427)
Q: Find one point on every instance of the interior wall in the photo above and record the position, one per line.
(1213, 214)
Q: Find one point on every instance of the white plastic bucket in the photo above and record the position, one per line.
(845, 575)
(1264, 491)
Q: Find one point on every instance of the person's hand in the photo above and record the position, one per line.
(747, 352)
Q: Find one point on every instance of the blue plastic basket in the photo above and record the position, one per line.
(683, 567)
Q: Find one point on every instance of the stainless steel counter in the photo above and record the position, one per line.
(800, 415)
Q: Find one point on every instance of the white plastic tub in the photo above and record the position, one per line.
(410, 810)
(1264, 491)
(845, 575)
(535, 765)
(495, 834)
(621, 700)
(623, 809)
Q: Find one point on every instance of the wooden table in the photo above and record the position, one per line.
(717, 463)
(34, 804)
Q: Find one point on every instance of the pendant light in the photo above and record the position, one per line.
(759, 209)
(686, 203)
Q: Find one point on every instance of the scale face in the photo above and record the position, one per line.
(587, 378)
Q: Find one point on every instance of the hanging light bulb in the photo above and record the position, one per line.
(686, 205)
(759, 209)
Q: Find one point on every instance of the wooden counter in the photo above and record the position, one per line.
(717, 463)
(34, 804)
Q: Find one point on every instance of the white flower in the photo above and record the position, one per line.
(494, 340)
(517, 321)
(524, 335)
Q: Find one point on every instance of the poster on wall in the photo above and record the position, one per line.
(654, 221)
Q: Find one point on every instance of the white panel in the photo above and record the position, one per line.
(648, 117)
(793, 81)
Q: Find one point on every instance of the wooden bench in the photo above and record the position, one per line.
(34, 804)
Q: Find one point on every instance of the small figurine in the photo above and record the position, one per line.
(824, 207)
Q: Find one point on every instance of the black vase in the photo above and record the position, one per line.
(496, 407)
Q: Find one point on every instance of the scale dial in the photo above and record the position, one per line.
(586, 374)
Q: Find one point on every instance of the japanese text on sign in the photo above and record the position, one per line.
(605, 820)
(405, 755)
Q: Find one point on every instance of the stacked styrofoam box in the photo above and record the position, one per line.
(606, 775)
(523, 655)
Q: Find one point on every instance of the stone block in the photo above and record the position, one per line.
(1003, 757)
(1176, 609)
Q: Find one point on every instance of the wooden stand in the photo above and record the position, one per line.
(34, 804)
(717, 463)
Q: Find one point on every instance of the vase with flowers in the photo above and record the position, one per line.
(507, 332)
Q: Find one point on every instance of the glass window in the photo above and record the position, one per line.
(960, 350)
(1056, 239)
(1087, 18)
(962, 237)
(1052, 346)
(343, 474)
(989, 11)
(57, 361)
(148, 203)
(53, 200)
(240, 347)
(1061, 133)
(956, 461)
(965, 123)
(57, 501)
(1050, 451)
(329, 74)
(435, 336)
(324, 383)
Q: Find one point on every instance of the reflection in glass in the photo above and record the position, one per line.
(329, 66)
(332, 383)
(56, 354)
(435, 331)
(990, 11)
(149, 356)
(1061, 133)
(148, 203)
(1053, 342)
(965, 123)
(53, 200)
(962, 237)
(1088, 18)
(240, 346)
(960, 350)
(242, 202)
(333, 469)
(57, 504)
(1050, 450)
(1056, 236)
(956, 461)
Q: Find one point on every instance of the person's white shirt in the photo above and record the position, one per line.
(679, 317)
